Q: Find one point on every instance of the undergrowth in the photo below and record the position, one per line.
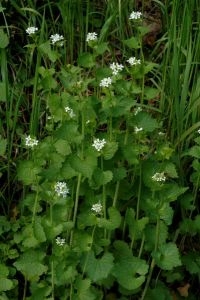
(99, 163)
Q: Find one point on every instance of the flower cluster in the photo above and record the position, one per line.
(137, 110)
(99, 144)
(30, 142)
(159, 177)
(61, 189)
(133, 61)
(115, 67)
(59, 241)
(91, 36)
(198, 131)
(135, 15)
(97, 208)
(31, 30)
(57, 39)
(70, 111)
(105, 82)
(138, 129)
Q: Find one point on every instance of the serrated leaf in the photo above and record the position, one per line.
(98, 268)
(192, 262)
(84, 166)
(109, 150)
(30, 264)
(68, 131)
(167, 256)
(3, 271)
(194, 151)
(114, 220)
(101, 48)
(150, 93)
(28, 172)
(128, 270)
(146, 122)
(62, 147)
(38, 230)
(86, 60)
(166, 213)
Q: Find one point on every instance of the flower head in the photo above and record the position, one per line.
(137, 110)
(31, 30)
(115, 67)
(57, 39)
(70, 111)
(59, 241)
(97, 208)
(30, 142)
(91, 36)
(198, 131)
(61, 189)
(135, 15)
(105, 82)
(138, 129)
(159, 177)
(133, 61)
(99, 144)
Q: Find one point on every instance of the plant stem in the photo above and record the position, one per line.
(75, 206)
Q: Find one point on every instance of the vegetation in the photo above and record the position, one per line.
(99, 150)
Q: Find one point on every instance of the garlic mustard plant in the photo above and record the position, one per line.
(60, 242)
(61, 189)
(106, 82)
(97, 208)
(159, 177)
(133, 61)
(31, 142)
(115, 67)
(31, 30)
(91, 36)
(99, 144)
(135, 15)
(57, 39)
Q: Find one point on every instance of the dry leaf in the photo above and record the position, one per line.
(183, 290)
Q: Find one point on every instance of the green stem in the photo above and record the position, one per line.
(139, 194)
(153, 260)
(116, 193)
(52, 279)
(75, 206)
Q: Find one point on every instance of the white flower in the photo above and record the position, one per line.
(115, 67)
(59, 241)
(99, 144)
(133, 61)
(61, 189)
(105, 82)
(138, 129)
(162, 133)
(55, 38)
(97, 208)
(30, 142)
(91, 36)
(135, 15)
(137, 110)
(31, 30)
(198, 131)
(160, 177)
(70, 111)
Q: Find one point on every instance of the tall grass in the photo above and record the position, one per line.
(180, 96)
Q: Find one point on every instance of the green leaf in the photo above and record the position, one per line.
(101, 48)
(30, 264)
(145, 121)
(194, 152)
(38, 230)
(166, 213)
(3, 93)
(109, 150)
(45, 48)
(167, 256)
(62, 147)
(3, 271)
(3, 145)
(192, 262)
(98, 268)
(151, 93)
(28, 172)
(101, 177)
(4, 41)
(132, 43)
(5, 284)
(114, 220)
(84, 166)
(86, 60)
(128, 270)
(68, 131)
